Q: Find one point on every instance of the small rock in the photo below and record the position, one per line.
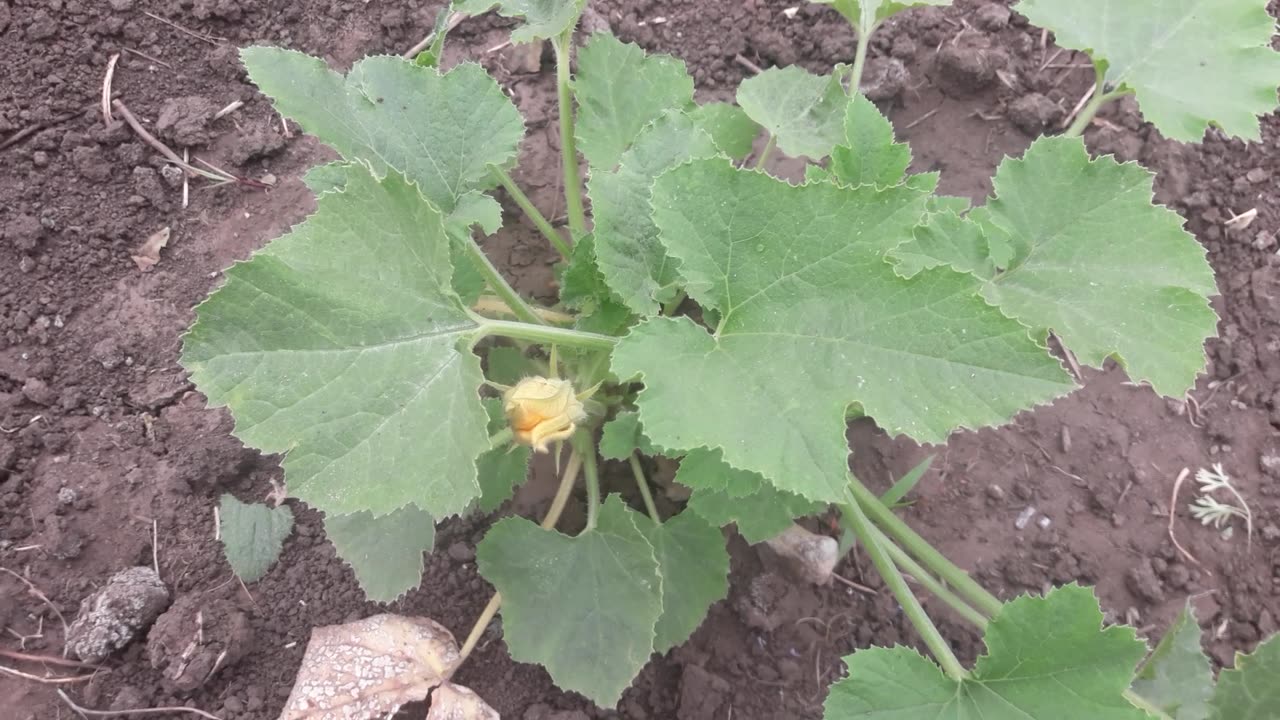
(110, 618)
(1044, 522)
(185, 120)
(67, 496)
(992, 18)
(1256, 175)
(461, 552)
(995, 492)
(35, 390)
(1033, 112)
(1024, 517)
(1144, 583)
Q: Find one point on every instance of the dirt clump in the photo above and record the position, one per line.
(113, 616)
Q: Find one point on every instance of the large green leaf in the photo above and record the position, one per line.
(1191, 63)
(543, 19)
(803, 111)
(1177, 677)
(723, 495)
(385, 552)
(869, 155)
(441, 131)
(252, 535)
(630, 257)
(1249, 690)
(1088, 256)
(695, 573)
(813, 320)
(337, 345)
(1047, 659)
(584, 607)
(620, 90)
(869, 13)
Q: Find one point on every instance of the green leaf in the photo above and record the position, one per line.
(620, 90)
(252, 535)
(1177, 677)
(391, 113)
(337, 345)
(729, 126)
(1090, 258)
(872, 12)
(1191, 63)
(506, 366)
(906, 483)
(946, 239)
(870, 155)
(584, 607)
(622, 436)
(724, 495)
(1249, 691)
(628, 254)
(503, 468)
(431, 55)
(1047, 659)
(385, 552)
(809, 328)
(805, 112)
(544, 19)
(694, 566)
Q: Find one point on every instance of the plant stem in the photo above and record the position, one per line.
(544, 334)
(500, 438)
(531, 212)
(1146, 705)
(563, 45)
(586, 447)
(495, 305)
(933, 639)
(1091, 108)
(643, 484)
(499, 285)
(908, 564)
(766, 152)
(670, 307)
(860, 58)
(907, 538)
(558, 503)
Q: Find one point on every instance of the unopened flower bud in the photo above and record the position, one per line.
(542, 410)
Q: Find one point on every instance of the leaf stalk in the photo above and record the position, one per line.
(643, 484)
(1091, 108)
(499, 285)
(933, 639)
(563, 45)
(765, 153)
(531, 211)
(585, 447)
(543, 334)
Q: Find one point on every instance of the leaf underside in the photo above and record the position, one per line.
(384, 552)
(1177, 677)
(1190, 63)
(807, 329)
(252, 535)
(1047, 659)
(584, 607)
(337, 345)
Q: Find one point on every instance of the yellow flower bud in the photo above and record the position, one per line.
(542, 410)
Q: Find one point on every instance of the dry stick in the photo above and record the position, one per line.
(83, 711)
(46, 680)
(754, 68)
(107, 119)
(922, 118)
(855, 586)
(153, 59)
(30, 130)
(155, 547)
(179, 28)
(15, 655)
(453, 22)
(36, 591)
(161, 147)
(1173, 516)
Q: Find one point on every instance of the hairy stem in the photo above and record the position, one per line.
(766, 152)
(558, 503)
(531, 211)
(933, 639)
(499, 285)
(568, 148)
(495, 305)
(543, 334)
(643, 485)
(586, 447)
(935, 561)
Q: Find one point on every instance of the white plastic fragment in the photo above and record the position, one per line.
(1024, 517)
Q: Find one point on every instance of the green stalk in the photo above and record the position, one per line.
(568, 148)
(860, 59)
(500, 438)
(530, 211)
(766, 152)
(643, 484)
(499, 285)
(1091, 108)
(908, 564)
(935, 561)
(585, 447)
(544, 334)
(933, 639)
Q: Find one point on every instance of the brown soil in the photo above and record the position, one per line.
(105, 446)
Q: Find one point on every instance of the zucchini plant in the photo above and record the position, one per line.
(712, 314)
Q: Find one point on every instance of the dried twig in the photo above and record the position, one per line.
(83, 711)
(220, 176)
(145, 56)
(179, 28)
(46, 680)
(15, 655)
(754, 68)
(1173, 516)
(922, 118)
(422, 44)
(231, 107)
(155, 546)
(36, 592)
(856, 586)
(107, 119)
